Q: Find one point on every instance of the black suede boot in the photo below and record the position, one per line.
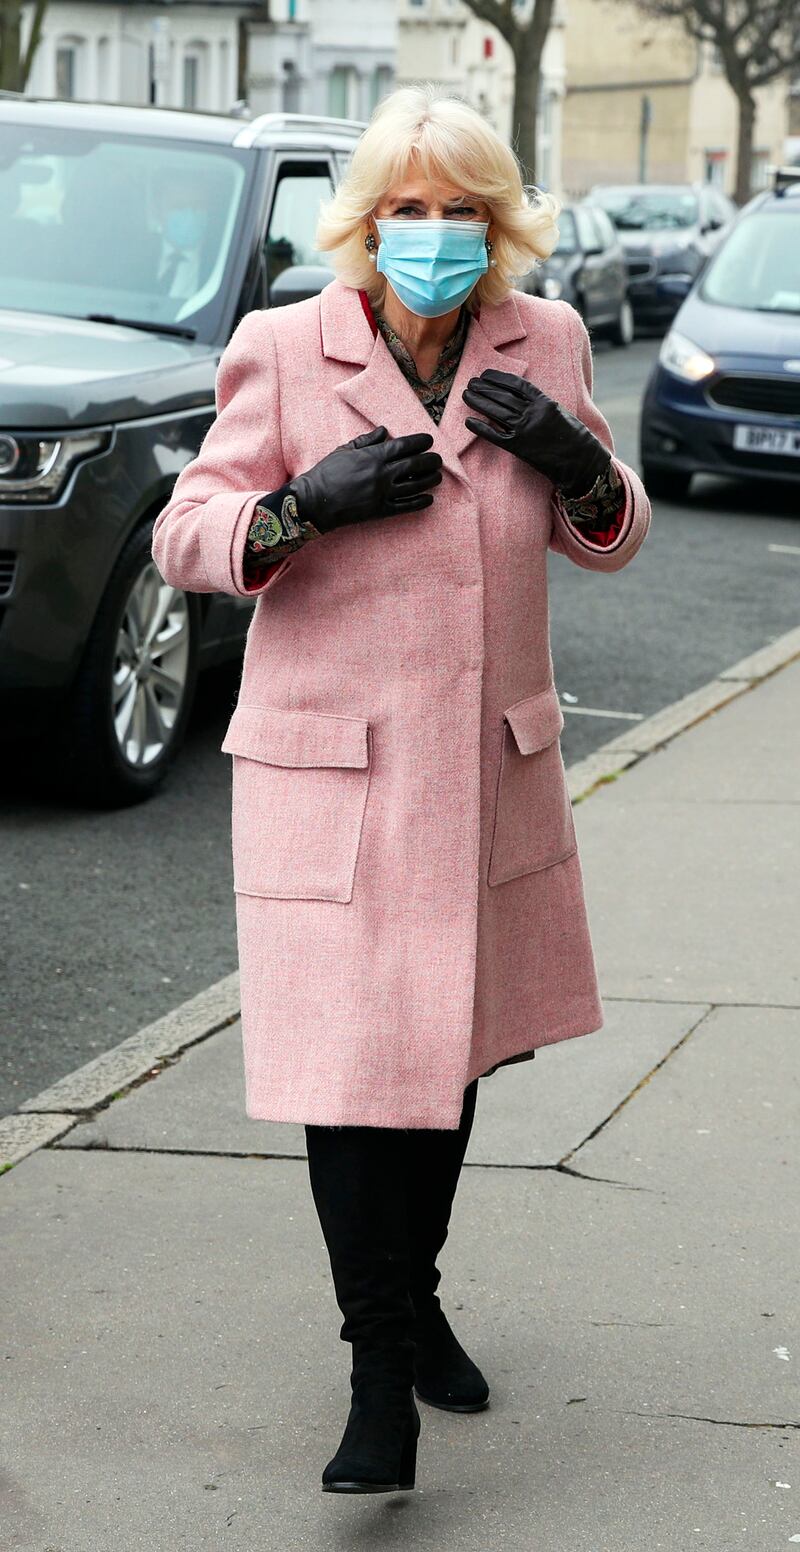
(359, 1187)
(444, 1375)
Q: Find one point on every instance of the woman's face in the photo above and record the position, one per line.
(416, 199)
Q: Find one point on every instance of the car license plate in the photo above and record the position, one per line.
(767, 439)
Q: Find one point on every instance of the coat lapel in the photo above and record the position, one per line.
(380, 393)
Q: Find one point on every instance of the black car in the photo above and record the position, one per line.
(668, 231)
(724, 396)
(588, 270)
(132, 240)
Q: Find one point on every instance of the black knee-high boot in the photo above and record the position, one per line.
(444, 1375)
(358, 1181)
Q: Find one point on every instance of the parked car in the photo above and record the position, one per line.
(132, 240)
(588, 270)
(668, 231)
(724, 396)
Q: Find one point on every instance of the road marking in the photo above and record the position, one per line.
(784, 549)
(594, 711)
(69, 1099)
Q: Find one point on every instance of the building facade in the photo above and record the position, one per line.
(332, 57)
(176, 56)
(442, 41)
(644, 103)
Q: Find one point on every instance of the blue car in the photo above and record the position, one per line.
(724, 395)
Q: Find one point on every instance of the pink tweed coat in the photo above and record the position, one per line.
(409, 900)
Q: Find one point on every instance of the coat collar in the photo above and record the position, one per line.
(381, 394)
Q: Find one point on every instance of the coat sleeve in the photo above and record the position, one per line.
(566, 538)
(199, 537)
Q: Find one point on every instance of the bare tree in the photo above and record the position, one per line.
(16, 62)
(526, 36)
(757, 41)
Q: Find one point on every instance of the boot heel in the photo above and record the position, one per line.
(408, 1460)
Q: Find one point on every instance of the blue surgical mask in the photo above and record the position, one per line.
(432, 265)
(184, 228)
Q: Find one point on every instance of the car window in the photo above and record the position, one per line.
(757, 267)
(605, 228)
(140, 228)
(648, 210)
(567, 235)
(588, 236)
(291, 234)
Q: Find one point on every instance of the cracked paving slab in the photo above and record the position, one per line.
(595, 1313)
(529, 1115)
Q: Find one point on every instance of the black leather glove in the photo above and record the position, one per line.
(375, 475)
(537, 430)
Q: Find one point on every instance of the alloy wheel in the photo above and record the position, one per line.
(150, 669)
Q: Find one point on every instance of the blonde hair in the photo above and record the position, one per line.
(443, 139)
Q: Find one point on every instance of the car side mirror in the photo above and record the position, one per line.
(298, 282)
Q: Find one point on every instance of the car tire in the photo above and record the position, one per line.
(623, 330)
(126, 713)
(664, 483)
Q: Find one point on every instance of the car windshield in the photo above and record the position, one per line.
(136, 228)
(567, 235)
(758, 268)
(634, 210)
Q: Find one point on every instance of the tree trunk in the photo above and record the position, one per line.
(10, 44)
(744, 146)
(527, 46)
(34, 40)
(526, 108)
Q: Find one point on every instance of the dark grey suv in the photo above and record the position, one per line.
(132, 240)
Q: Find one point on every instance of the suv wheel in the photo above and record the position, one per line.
(127, 710)
(623, 330)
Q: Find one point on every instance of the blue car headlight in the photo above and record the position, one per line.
(685, 359)
(35, 468)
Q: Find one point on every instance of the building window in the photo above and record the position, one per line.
(715, 168)
(290, 87)
(380, 84)
(759, 171)
(66, 70)
(191, 80)
(342, 90)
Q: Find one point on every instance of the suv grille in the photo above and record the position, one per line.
(8, 566)
(765, 395)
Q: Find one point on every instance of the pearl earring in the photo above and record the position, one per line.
(371, 246)
(489, 248)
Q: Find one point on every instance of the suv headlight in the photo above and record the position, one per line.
(681, 356)
(36, 468)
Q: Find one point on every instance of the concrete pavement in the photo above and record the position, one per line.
(623, 1260)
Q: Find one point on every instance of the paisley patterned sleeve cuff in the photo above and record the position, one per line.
(600, 512)
(276, 530)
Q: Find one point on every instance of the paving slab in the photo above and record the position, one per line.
(691, 902)
(174, 1377)
(731, 757)
(531, 1114)
(724, 1111)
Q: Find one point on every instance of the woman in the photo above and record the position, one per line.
(389, 465)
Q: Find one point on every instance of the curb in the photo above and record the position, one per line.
(55, 1110)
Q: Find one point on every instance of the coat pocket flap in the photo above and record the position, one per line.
(536, 721)
(282, 737)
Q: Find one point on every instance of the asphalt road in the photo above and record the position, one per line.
(110, 920)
